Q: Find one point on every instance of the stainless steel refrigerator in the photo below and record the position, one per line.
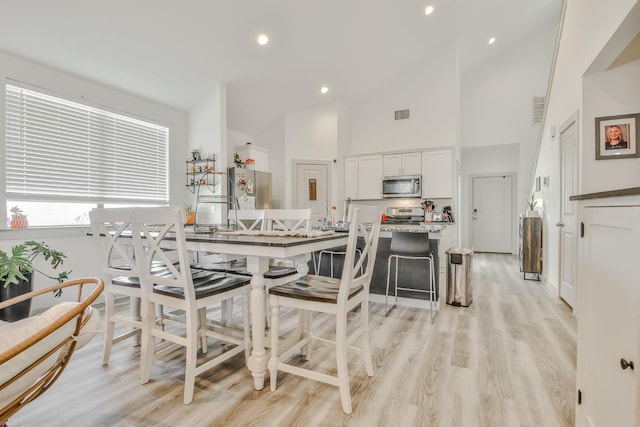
(249, 189)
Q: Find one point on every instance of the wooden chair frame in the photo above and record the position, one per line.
(45, 381)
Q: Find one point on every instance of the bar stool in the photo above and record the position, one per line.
(412, 246)
(338, 251)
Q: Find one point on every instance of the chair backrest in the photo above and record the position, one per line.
(111, 230)
(364, 222)
(287, 219)
(412, 244)
(158, 239)
(248, 219)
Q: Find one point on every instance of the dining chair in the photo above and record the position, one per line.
(155, 230)
(280, 271)
(414, 247)
(111, 232)
(336, 297)
(242, 219)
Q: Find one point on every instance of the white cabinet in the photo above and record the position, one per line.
(437, 174)
(370, 177)
(363, 177)
(402, 164)
(351, 177)
(608, 315)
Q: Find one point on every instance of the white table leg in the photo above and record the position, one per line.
(257, 364)
(301, 264)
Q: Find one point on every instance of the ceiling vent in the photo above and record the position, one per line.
(402, 114)
(538, 110)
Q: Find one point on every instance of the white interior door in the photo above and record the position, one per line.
(492, 214)
(567, 223)
(313, 189)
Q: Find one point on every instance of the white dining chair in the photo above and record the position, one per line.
(181, 288)
(336, 297)
(111, 232)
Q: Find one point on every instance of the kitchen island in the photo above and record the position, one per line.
(412, 273)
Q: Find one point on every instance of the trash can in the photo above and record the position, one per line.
(459, 277)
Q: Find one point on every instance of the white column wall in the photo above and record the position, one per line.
(587, 26)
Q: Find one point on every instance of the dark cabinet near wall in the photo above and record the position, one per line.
(531, 247)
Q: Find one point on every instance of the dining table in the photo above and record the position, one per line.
(259, 248)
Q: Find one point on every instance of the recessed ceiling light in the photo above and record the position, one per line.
(492, 40)
(324, 90)
(262, 39)
(428, 10)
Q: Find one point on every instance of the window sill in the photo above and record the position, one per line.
(33, 233)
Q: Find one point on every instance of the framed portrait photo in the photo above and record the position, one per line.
(617, 137)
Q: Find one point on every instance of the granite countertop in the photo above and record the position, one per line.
(414, 227)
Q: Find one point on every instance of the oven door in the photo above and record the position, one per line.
(401, 186)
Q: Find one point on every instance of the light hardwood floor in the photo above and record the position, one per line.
(507, 360)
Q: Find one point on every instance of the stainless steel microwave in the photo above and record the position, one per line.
(402, 186)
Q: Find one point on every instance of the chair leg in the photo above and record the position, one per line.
(202, 330)
(341, 359)
(192, 320)
(432, 289)
(366, 343)
(148, 342)
(275, 324)
(109, 326)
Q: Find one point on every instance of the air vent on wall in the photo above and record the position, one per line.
(402, 114)
(538, 110)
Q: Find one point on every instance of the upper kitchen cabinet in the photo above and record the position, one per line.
(370, 177)
(363, 177)
(351, 177)
(437, 174)
(402, 164)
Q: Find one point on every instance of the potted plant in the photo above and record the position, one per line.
(18, 219)
(531, 207)
(16, 274)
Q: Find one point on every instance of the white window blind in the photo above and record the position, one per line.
(61, 150)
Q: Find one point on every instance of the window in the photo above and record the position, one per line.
(69, 156)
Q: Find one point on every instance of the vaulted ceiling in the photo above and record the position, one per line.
(175, 52)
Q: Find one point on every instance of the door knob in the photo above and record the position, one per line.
(624, 364)
(559, 224)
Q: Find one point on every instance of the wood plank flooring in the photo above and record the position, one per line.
(507, 360)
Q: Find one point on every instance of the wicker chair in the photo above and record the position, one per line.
(34, 351)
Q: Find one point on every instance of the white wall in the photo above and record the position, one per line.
(80, 251)
(273, 139)
(429, 90)
(208, 134)
(484, 161)
(610, 93)
(496, 107)
(587, 26)
(309, 134)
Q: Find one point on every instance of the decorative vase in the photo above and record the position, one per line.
(19, 221)
(532, 214)
(191, 218)
(20, 310)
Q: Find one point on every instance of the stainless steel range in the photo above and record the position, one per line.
(404, 215)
